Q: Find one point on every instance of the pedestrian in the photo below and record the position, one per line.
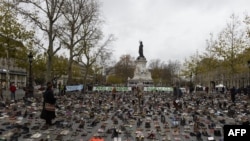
(113, 93)
(175, 92)
(248, 91)
(59, 89)
(64, 89)
(115, 133)
(12, 91)
(233, 93)
(206, 89)
(49, 101)
(223, 90)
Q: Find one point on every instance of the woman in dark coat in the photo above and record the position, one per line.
(48, 97)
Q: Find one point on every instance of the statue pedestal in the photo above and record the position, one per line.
(141, 74)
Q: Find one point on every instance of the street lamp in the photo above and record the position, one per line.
(248, 63)
(31, 89)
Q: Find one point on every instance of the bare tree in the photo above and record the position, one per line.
(44, 15)
(162, 73)
(91, 53)
(156, 70)
(81, 23)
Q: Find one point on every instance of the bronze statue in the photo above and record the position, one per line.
(141, 50)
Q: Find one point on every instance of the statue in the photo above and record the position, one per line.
(141, 50)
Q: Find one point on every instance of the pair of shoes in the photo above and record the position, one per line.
(204, 133)
(192, 134)
(25, 130)
(45, 127)
(59, 137)
(186, 136)
(35, 128)
(27, 136)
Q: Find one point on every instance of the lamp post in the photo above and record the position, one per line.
(248, 63)
(31, 89)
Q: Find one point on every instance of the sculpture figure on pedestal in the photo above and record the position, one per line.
(141, 50)
(141, 73)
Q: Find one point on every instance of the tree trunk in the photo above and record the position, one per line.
(85, 78)
(70, 71)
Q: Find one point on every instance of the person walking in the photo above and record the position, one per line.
(59, 89)
(49, 101)
(12, 91)
(113, 93)
(233, 93)
(64, 90)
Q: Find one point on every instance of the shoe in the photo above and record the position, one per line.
(45, 127)
(27, 136)
(35, 128)
(25, 130)
(204, 133)
(192, 134)
(59, 138)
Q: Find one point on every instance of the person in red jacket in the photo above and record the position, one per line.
(13, 91)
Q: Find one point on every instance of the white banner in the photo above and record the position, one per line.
(119, 89)
(122, 89)
(74, 88)
(164, 89)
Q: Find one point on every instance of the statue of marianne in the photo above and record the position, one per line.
(141, 50)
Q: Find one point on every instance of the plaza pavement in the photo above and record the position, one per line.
(74, 108)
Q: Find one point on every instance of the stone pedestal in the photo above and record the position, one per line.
(141, 74)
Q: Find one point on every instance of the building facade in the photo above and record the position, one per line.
(9, 72)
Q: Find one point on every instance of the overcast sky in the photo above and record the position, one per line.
(169, 29)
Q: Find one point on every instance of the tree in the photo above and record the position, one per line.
(171, 70)
(39, 69)
(81, 24)
(164, 73)
(225, 58)
(247, 50)
(44, 15)
(124, 68)
(91, 53)
(192, 67)
(247, 22)
(208, 62)
(230, 44)
(14, 38)
(156, 70)
(59, 68)
(113, 79)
